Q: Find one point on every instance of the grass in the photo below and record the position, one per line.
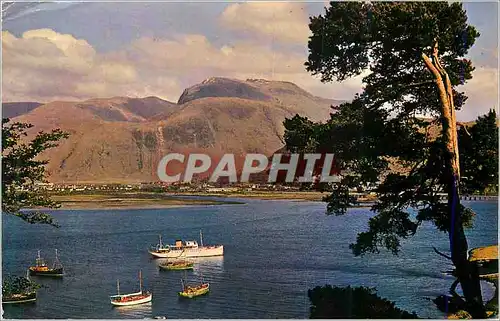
(484, 253)
(129, 200)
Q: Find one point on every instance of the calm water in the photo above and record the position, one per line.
(274, 252)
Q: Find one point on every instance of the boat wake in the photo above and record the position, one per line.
(135, 311)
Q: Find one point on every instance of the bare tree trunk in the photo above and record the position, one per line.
(467, 272)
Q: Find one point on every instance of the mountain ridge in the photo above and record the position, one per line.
(122, 139)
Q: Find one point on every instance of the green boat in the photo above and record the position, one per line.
(194, 291)
(177, 265)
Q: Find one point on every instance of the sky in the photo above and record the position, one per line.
(81, 50)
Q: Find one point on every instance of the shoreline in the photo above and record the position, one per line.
(127, 201)
(151, 200)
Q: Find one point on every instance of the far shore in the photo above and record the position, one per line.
(129, 201)
(263, 195)
(151, 200)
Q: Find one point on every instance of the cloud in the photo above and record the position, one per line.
(283, 21)
(43, 65)
(482, 91)
(259, 40)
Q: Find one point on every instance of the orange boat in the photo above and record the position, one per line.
(42, 269)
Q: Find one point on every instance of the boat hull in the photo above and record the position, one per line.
(194, 294)
(177, 268)
(54, 273)
(196, 252)
(134, 302)
(22, 298)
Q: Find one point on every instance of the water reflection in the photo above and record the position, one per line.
(215, 261)
(135, 311)
(210, 265)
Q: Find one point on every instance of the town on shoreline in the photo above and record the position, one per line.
(161, 195)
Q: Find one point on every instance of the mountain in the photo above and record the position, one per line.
(122, 139)
(282, 93)
(128, 109)
(11, 110)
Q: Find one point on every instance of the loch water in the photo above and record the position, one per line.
(274, 252)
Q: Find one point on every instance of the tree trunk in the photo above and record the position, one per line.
(467, 272)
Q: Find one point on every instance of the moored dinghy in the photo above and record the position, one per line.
(25, 294)
(177, 265)
(133, 298)
(194, 291)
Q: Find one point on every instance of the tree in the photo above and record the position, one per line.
(380, 131)
(13, 285)
(478, 146)
(21, 170)
(352, 303)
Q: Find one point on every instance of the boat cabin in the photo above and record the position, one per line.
(191, 244)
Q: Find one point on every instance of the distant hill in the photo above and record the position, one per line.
(10, 110)
(122, 139)
(282, 93)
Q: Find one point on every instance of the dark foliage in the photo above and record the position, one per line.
(478, 147)
(22, 168)
(18, 285)
(379, 130)
(352, 303)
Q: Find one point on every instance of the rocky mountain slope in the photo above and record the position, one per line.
(122, 139)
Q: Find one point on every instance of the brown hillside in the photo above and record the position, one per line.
(122, 139)
(282, 93)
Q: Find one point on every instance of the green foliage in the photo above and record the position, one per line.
(379, 130)
(21, 169)
(478, 146)
(352, 303)
(18, 285)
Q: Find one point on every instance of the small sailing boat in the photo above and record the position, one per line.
(133, 298)
(194, 291)
(42, 269)
(177, 265)
(24, 291)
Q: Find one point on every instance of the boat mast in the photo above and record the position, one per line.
(140, 280)
(160, 244)
(201, 239)
(56, 262)
(184, 280)
(118, 286)
(39, 260)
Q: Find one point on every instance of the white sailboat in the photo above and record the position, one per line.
(140, 297)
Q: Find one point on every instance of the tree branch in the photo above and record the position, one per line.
(453, 291)
(399, 91)
(466, 131)
(442, 254)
